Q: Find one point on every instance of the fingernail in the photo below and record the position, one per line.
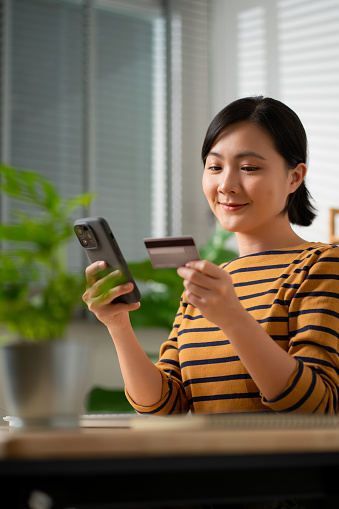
(101, 264)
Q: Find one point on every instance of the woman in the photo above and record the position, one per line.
(261, 332)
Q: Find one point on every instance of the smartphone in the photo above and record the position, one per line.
(99, 243)
(171, 252)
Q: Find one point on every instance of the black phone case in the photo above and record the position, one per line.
(106, 248)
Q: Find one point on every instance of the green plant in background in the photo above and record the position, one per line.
(101, 400)
(161, 289)
(37, 292)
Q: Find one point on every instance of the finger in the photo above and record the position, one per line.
(193, 299)
(98, 305)
(105, 297)
(196, 280)
(101, 287)
(199, 291)
(205, 267)
(204, 279)
(198, 298)
(92, 272)
(106, 283)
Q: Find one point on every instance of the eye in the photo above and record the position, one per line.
(214, 167)
(250, 168)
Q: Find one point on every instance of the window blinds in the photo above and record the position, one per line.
(49, 88)
(251, 51)
(45, 91)
(124, 125)
(100, 97)
(287, 49)
(308, 45)
(190, 116)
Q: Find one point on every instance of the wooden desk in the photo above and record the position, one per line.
(163, 465)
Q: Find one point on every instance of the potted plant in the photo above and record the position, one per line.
(37, 297)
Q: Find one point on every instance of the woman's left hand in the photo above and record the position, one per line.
(210, 289)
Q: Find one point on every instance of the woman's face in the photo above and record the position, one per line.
(246, 181)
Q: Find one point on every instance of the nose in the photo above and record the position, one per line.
(229, 182)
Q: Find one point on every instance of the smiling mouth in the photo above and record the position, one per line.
(232, 206)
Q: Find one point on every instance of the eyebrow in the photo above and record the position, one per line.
(240, 155)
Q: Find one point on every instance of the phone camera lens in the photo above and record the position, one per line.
(89, 236)
(79, 230)
(84, 242)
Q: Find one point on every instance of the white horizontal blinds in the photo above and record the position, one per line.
(4, 85)
(308, 45)
(142, 8)
(190, 115)
(116, 141)
(252, 51)
(52, 72)
(46, 90)
(124, 111)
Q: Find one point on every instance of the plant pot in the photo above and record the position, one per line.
(44, 382)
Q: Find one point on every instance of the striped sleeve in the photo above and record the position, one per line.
(173, 398)
(313, 331)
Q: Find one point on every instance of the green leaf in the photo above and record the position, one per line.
(37, 294)
(83, 200)
(29, 187)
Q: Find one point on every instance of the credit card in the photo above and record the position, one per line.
(171, 252)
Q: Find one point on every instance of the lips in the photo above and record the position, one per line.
(232, 207)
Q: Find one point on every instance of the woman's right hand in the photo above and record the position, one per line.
(100, 293)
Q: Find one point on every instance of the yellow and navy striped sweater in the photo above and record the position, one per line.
(294, 294)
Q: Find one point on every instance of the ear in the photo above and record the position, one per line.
(297, 175)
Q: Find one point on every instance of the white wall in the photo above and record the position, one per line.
(289, 50)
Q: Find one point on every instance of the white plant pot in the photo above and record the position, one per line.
(44, 382)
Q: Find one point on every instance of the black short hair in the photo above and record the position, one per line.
(289, 137)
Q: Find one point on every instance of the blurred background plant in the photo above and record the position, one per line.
(37, 292)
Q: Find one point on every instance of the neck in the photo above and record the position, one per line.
(251, 243)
